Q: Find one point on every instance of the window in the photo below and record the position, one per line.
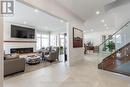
(45, 40)
(42, 40)
(61, 40)
(57, 40)
(38, 43)
(53, 40)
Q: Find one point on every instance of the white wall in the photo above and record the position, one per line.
(74, 54)
(7, 37)
(96, 37)
(1, 52)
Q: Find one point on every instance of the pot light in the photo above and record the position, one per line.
(36, 10)
(97, 12)
(107, 28)
(102, 21)
(25, 22)
(61, 21)
(105, 25)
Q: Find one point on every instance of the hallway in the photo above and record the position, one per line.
(94, 57)
(84, 74)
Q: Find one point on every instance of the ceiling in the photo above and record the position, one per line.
(113, 12)
(40, 20)
(84, 9)
(96, 24)
(115, 16)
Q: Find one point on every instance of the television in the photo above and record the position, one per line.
(22, 32)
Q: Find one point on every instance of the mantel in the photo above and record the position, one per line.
(20, 41)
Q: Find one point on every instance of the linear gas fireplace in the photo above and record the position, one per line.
(21, 50)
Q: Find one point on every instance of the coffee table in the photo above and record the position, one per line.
(33, 60)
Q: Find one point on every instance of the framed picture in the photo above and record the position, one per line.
(77, 38)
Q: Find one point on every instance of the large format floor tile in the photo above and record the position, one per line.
(84, 74)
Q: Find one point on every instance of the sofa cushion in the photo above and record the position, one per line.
(11, 56)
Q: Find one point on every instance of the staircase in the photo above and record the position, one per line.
(117, 51)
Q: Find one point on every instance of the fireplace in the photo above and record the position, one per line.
(21, 50)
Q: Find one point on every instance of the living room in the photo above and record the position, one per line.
(33, 39)
(77, 71)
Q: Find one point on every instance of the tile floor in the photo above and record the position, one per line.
(84, 74)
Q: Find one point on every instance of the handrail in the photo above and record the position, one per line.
(115, 33)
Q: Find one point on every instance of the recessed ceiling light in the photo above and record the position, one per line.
(97, 12)
(36, 10)
(61, 21)
(103, 21)
(105, 25)
(25, 22)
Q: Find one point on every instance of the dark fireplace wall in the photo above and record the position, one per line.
(21, 50)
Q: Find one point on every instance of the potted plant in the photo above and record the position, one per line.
(111, 46)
